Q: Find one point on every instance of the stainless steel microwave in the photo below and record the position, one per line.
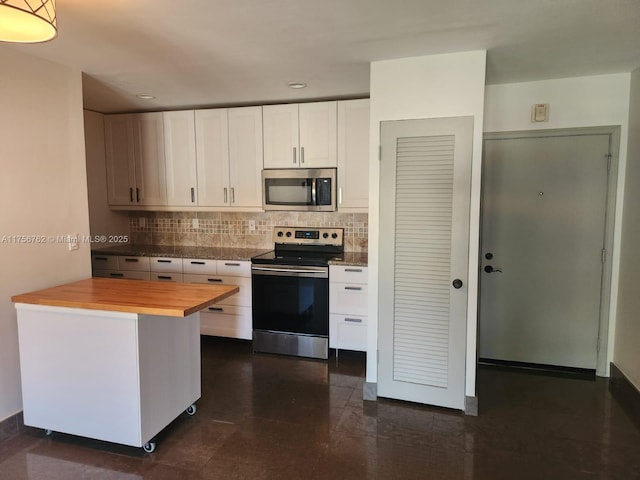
(299, 189)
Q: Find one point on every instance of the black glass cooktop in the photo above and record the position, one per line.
(314, 259)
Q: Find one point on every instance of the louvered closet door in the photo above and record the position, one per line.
(424, 219)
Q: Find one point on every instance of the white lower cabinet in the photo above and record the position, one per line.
(348, 297)
(230, 317)
(121, 266)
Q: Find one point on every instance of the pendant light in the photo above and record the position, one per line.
(27, 21)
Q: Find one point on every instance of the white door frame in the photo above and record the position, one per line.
(614, 149)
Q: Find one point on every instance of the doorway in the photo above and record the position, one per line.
(546, 235)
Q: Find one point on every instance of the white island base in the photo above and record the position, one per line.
(112, 376)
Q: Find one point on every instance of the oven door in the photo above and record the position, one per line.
(291, 299)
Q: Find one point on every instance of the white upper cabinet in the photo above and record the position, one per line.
(245, 156)
(353, 155)
(180, 158)
(300, 135)
(212, 147)
(121, 177)
(135, 159)
(229, 157)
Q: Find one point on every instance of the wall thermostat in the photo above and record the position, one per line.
(540, 112)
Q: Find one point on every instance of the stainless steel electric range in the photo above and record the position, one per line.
(290, 288)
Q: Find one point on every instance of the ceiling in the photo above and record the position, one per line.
(197, 53)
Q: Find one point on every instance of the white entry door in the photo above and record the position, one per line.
(543, 231)
(424, 243)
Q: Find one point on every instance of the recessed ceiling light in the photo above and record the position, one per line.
(296, 85)
(145, 96)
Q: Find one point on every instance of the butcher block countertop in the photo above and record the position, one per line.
(130, 296)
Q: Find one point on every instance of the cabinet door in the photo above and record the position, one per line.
(318, 134)
(212, 150)
(119, 156)
(245, 157)
(148, 142)
(353, 155)
(281, 136)
(180, 158)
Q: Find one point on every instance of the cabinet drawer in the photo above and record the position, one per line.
(234, 268)
(226, 321)
(346, 274)
(128, 274)
(199, 266)
(166, 277)
(243, 297)
(161, 264)
(104, 262)
(350, 332)
(133, 263)
(348, 298)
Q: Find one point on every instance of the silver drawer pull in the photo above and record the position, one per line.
(216, 309)
(354, 270)
(197, 263)
(214, 280)
(231, 264)
(135, 260)
(164, 261)
(353, 320)
(353, 288)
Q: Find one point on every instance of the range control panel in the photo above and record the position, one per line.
(309, 236)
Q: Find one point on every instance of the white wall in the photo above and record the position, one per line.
(43, 191)
(574, 102)
(626, 354)
(426, 87)
(102, 220)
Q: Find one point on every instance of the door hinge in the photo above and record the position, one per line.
(604, 255)
(379, 153)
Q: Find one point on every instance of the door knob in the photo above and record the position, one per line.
(490, 269)
(457, 283)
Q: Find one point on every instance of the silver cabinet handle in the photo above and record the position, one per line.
(216, 309)
(131, 194)
(134, 260)
(340, 195)
(225, 194)
(137, 195)
(233, 195)
(214, 280)
(229, 264)
(354, 270)
(100, 258)
(197, 263)
(164, 277)
(353, 320)
(114, 274)
(164, 261)
(353, 288)
(193, 195)
(294, 154)
(301, 154)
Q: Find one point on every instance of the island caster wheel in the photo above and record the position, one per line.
(48, 432)
(191, 410)
(149, 447)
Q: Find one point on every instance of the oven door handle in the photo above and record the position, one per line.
(293, 272)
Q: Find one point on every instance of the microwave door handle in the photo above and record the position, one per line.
(314, 200)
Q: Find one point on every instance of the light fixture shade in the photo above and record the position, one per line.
(27, 21)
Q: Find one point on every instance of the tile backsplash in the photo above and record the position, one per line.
(223, 229)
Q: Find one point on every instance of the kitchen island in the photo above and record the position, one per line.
(114, 360)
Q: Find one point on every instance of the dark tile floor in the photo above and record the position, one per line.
(270, 417)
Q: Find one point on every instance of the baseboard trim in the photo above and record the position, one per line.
(625, 393)
(370, 391)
